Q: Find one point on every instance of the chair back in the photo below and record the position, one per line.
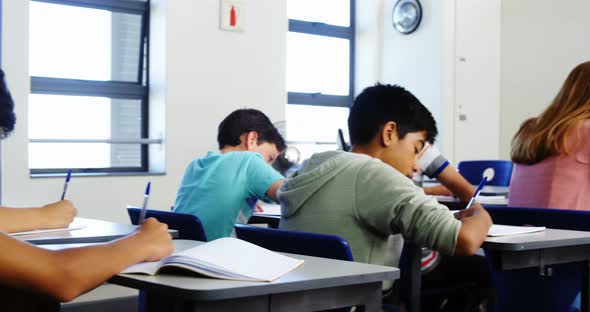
(187, 225)
(526, 289)
(309, 244)
(474, 170)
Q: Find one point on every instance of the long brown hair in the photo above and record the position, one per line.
(546, 135)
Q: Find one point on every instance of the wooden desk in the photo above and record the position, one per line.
(96, 231)
(319, 284)
(541, 249)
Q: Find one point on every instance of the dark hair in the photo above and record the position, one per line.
(7, 117)
(245, 120)
(380, 104)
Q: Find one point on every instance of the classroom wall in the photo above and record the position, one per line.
(417, 61)
(199, 75)
(542, 41)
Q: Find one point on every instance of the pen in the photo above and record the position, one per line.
(63, 194)
(145, 201)
(477, 191)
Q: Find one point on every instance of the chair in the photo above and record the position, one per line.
(523, 290)
(309, 244)
(187, 225)
(473, 171)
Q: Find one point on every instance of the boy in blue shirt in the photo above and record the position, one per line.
(221, 188)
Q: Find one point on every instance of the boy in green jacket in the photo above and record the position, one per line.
(367, 195)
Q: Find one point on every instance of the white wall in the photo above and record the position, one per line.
(200, 74)
(414, 61)
(542, 41)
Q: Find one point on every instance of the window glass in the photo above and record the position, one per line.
(81, 43)
(316, 123)
(317, 64)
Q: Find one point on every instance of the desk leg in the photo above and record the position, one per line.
(585, 300)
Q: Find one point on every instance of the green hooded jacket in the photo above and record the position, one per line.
(364, 201)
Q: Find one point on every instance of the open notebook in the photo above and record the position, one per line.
(225, 258)
(505, 230)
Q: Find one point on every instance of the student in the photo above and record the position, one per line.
(435, 166)
(65, 274)
(367, 195)
(221, 188)
(551, 152)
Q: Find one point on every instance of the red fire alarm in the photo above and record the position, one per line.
(232, 15)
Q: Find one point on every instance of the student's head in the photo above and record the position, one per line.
(7, 117)
(392, 123)
(546, 135)
(250, 130)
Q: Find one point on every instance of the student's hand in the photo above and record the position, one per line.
(58, 215)
(258, 208)
(155, 237)
(466, 213)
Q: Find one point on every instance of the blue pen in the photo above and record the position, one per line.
(145, 201)
(63, 194)
(477, 191)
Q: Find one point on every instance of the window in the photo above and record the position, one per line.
(88, 107)
(320, 72)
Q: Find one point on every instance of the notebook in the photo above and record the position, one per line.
(76, 225)
(225, 258)
(505, 230)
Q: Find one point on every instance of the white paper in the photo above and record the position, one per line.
(505, 230)
(73, 226)
(227, 258)
(269, 209)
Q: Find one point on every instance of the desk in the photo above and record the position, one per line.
(96, 231)
(319, 284)
(541, 249)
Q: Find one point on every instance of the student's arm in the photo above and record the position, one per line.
(452, 180)
(55, 215)
(263, 180)
(389, 203)
(272, 190)
(475, 223)
(66, 274)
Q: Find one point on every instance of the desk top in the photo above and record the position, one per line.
(95, 231)
(313, 274)
(549, 238)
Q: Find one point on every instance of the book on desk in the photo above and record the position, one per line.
(225, 258)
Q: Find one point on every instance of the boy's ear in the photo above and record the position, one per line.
(251, 139)
(389, 133)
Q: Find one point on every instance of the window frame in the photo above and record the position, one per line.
(110, 89)
(332, 31)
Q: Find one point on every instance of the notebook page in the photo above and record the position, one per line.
(76, 225)
(242, 258)
(149, 268)
(505, 230)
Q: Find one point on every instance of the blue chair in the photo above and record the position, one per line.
(525, 289)
(187, 225)
(309, 244)
(473, 171)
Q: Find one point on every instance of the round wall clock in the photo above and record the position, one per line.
(407, 15)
